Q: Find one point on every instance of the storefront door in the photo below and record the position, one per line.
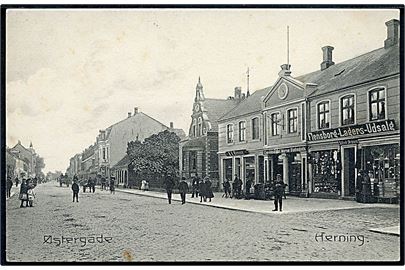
(294, 161)
(349, 171)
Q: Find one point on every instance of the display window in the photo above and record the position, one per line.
(326, 171)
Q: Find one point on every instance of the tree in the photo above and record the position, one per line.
(153, 159)
(39, 165)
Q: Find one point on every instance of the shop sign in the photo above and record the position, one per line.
(356, 130)
(346, 142)
(286, 150)
(237, 152)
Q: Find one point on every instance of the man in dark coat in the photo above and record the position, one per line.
(227, 188)
(169, 185)
(249, 183)
(194, 184)
(183, 190)
(17, 181)
(278, 194)
(75, 189)
(202, 191)
(9, 186)
(208, 189)
(112, 185)
(238, 187)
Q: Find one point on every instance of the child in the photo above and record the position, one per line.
(31, 196)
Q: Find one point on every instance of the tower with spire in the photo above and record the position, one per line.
(199, 93)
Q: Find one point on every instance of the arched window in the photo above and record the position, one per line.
(199, 126)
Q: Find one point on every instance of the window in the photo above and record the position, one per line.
(193, 160)
(229, 133)
(255, 128)
(292, 120)
(377, 104)
(347, 110)
(199, 126)
(275, 124)
(323, 115)
(104, 153)
(242, 131)
(194, 128)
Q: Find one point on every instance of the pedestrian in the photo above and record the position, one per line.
(238, 187)
(60, 179)
(183, 190)
(227, 189)
(202, 191)
(17, 181)
(112, 185)
(169, 185)
(143, 185)
(194, 185)
(278, 194)
(208, 189)
(9, 185)
(249, 183)
(23, 193)
(75, 189)
(30, 196)
(103, 183)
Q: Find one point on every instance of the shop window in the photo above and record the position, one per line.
(377, 104)
(275, 124)
(292, 120)
(326, 171)
(228, 169)
(229, 133)
(323, 115)
(382, 162)
(249, 168)
(347, 110)
(242, 131)
(255, 128)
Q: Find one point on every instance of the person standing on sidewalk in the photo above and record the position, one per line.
(194, 184)
(227, 188)
(75, 189)
(278, 194)
(169, 185)
(112, 185)
(208, 189)
(9, 186)
(23, 193)
(17, 181)
(183, 190)
(202, 190)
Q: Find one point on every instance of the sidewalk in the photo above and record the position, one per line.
(394, 230)
(290, 205)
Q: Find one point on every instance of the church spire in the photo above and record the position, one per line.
(199, 93)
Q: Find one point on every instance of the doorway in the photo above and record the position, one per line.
(349, 171)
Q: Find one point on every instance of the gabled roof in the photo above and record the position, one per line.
(216, 108)
(124, 162)
(369, 66)
(251, 104)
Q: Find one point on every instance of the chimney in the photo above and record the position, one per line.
(135, 110)
(129, 114)
(327, 57)
(285, 70)
(171, 125)
(238, 92)
(392, 33)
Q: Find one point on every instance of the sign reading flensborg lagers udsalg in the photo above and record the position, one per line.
(350, 131)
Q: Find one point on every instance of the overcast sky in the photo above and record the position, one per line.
(71, 73)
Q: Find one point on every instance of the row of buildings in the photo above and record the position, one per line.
(23, 162)
(107, 156)
(318, 130)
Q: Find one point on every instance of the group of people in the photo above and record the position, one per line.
(236, 190)
(27, 193)
(200, 188)
(92, 185)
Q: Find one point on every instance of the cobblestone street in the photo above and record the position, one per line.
(149, 229)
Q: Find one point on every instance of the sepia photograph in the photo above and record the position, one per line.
(202, 134)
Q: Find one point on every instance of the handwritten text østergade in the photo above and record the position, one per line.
(83, 240)
(356, 130)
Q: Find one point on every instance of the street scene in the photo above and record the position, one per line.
(166, 135)
(145, 229)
